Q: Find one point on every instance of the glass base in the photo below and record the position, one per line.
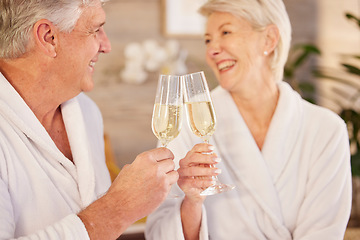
(217, 188)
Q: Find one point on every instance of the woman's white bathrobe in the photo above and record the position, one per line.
(297, 187)
(40, 189)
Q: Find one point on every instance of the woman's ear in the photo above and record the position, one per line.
(46, 37)
(271, 38)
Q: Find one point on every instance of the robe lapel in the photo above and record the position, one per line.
(78, 139)
(22, 119)
(283, 131)
(248, 165)
(19, 115)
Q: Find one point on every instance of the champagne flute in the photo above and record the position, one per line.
(201, 118)
(167, 113)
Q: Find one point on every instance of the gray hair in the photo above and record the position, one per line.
(259, 13)
(17, 17)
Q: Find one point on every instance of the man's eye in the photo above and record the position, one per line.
(226, 32)
(96, 31)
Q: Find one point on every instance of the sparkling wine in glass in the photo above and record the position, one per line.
(168, 111)
(168, 107)
(201, 118)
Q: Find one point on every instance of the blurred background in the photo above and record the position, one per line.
(143, 45)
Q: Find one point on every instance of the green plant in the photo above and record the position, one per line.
(298, 56)
(348, 77)
(349, 101)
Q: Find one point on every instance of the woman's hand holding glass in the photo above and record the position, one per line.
(195, 173)
(202, 120)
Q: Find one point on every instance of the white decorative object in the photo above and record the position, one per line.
(134, 71)
(150, 56)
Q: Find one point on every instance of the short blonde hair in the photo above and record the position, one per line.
(259, 13)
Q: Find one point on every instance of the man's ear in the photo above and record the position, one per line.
(46, 37)
(272, 36)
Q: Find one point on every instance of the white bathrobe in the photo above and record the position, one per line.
(297, 187)
(41, 191)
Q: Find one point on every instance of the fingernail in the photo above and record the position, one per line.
(217, 160)
(218, 171)
(211, 147)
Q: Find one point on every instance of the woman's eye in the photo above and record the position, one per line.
(226, 32)
(207, 41)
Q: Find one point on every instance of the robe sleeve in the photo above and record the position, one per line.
(165, 223)
(326, 207)
(70, 227)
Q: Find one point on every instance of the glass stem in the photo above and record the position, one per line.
(211, 165)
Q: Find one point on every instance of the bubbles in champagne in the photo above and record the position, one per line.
(201, 117)
(166, 122)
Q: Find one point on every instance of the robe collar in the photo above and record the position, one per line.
(15, 110)
(255, 170)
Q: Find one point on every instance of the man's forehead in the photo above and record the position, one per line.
(92, 16)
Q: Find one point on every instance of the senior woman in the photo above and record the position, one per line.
(289, 159)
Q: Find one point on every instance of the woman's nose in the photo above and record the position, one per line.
(213, 48)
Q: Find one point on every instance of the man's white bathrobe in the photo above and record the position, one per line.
(297, 187)
(40, 189)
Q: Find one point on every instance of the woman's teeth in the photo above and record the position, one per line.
(225, 65)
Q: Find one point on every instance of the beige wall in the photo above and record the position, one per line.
(127, 108)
